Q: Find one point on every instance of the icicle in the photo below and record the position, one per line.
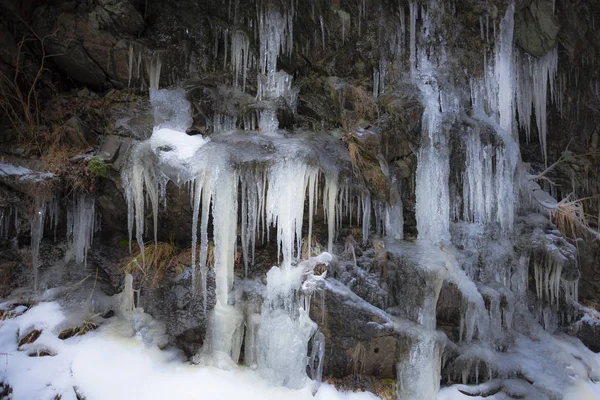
(322, 31)
(130, 69)
(37, 233)
(366, 217)
(80, 226)
(312, 183)
(533, 76)
(317, 355)
(206, 203)
(196, 196)
(413, 38)
(331, 188)
(240, 47)
(154, 71)
(224, 209)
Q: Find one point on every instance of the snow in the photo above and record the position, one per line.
(111, 363)
(10, 170)
(176, 146)
(552, 366)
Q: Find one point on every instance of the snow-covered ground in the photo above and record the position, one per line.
(111, 363)
(589, 391)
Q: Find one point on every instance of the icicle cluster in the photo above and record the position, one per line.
(533, 75)
(43, 207)
(489, 189)
(81, 226)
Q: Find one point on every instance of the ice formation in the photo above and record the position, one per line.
(433, 202)
(489, 190)
(271, 193)
(80, 226)
(244, 185)
(533, 75)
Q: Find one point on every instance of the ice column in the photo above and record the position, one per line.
(285, 327)
(433, 203)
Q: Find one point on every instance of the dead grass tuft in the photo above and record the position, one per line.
(570, 218)
(86, 327)
(31, 337)
(357, 356)
(153, 266)
(383, 388)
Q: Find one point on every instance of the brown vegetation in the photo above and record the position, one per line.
(153, 265)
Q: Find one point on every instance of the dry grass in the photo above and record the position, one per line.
(11, 312)
(86, 327)
(383, 388)
(357, 356)
(315, 247)
(358, 161)
(30, 337)
(570, 218)
(154, 264)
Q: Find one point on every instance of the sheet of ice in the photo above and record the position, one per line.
(171, 109)
(110, 363)
(10, 170)
(552, 366)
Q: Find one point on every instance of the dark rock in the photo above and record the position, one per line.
(181, 308)
(78, 133)
(110, 148)
(359, 338)
(588, 331)
(536, 27)
(91, 44)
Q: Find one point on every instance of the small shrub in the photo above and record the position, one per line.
(98, 167)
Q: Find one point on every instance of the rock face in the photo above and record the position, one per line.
(360, 338)
(536, 27)
(90, 43)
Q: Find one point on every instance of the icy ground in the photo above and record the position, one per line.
(111, 363)
(591, 391)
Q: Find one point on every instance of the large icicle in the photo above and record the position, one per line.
(37, 233)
